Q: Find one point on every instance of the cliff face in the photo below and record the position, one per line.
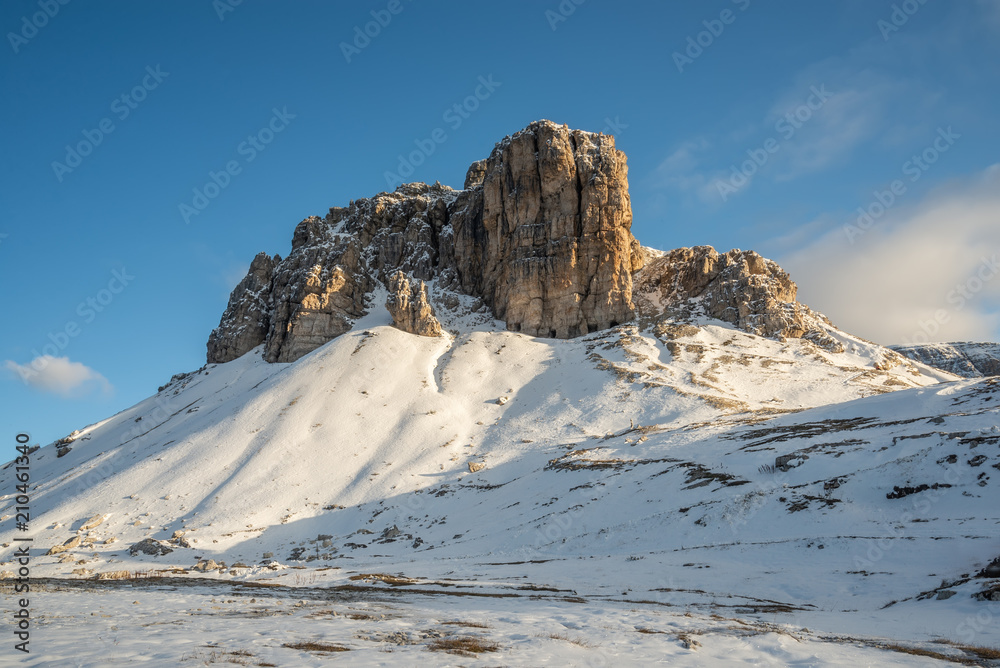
(545, 238)
(540, 235)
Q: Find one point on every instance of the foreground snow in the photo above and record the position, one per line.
(624, 493)
(181, 623)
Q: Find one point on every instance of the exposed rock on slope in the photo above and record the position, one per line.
(336, 262)
(739, 287)
(540, 234)
(408, 305)
(971, 360)
(245, 323)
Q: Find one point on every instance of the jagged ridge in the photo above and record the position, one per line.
(540, 236)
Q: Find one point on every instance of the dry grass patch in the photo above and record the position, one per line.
(562, 636)
(395, 580)
(463, 646)
(980, 652)
(916, 651)
(316, 647)
(474, 625)
(240, 657)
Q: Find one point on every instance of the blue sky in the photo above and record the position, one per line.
(830, 102)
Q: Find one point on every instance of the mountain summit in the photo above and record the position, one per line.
(539, 238)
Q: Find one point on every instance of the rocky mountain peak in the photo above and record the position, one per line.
(539, 237)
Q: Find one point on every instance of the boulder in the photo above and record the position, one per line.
(151, 547)
(68, 545)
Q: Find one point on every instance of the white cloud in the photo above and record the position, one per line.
(59, 375)
(832, 133)
(923, 272)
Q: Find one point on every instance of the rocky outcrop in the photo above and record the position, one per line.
(551, 251)
(967, 359)
(738, 287)
(540, 235)
(68, 545)
(326, 282)
(150, 546)
(246, 321)
(408, 305)
(475, 175)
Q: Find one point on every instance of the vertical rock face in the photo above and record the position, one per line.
(540, 235)
(246, 321)
(409, 307)
(551, 249)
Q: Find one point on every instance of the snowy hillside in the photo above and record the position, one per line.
(966, 359)
(619, 481)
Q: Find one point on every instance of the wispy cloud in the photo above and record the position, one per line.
(681, 170)
(832, 134)
(991, 12)
(58, 375)
(927, 273)
(865, 103)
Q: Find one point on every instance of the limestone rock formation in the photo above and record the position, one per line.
(540, 235)
(551, 249)
(738, 287)
(246, 321)
(409, 307)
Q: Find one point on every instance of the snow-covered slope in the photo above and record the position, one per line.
(966, 359)
(614, 467)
